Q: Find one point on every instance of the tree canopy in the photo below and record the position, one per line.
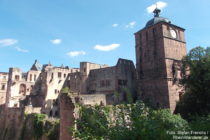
(196, 70)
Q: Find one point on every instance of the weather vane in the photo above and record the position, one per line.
(156, 11)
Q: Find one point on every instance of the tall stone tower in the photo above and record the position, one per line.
(160, 46)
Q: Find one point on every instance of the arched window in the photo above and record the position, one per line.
(22, 89)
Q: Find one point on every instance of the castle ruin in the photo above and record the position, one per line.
(160, 46)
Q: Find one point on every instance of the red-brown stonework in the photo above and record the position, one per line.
(66, 117)
(158, 56)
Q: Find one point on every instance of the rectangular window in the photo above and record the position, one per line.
(30, 77)
(119, 82)
(102, 84)
(107, 83)
(3, 87)
(59, 74)
(64, 75)
(34, 77)
(122, 82)
(125, 82)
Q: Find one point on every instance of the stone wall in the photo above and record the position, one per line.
(74, 82)
(15, 125)
(101, 79)
(99, 99)
(66, 116)
(11, 123)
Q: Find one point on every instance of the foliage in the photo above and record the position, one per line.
(41, 126)
(38, 125)
(126, 122)
(201, 124)
(53, 131)
(138, 121)
(93, 123)
(196, 100)
(124, 96)
(65, 90)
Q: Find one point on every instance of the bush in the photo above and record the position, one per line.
(127, 122)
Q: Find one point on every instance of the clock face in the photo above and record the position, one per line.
(173, 33)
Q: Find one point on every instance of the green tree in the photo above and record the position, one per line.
(196, 100)
(92, 124)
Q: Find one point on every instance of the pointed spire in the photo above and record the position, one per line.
(36, 66)
(49, 64)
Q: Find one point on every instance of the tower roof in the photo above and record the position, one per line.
(36, 66)
(157, 18)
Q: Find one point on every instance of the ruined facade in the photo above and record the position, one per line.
(20, 85)
(39, 90)
(3, 87)
(160, 46)
(41, 85)
(104, 81)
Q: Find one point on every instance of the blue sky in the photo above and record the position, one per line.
(100, 31)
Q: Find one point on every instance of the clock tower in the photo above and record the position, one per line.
(160, 46)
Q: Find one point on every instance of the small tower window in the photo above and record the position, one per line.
(17, 77)
(35, 77)
(30, 77)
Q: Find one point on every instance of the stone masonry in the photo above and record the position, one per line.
(160, 46)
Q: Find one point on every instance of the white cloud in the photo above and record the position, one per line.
(159, 4)
(130, 25)
(21, 50)
(106, 47)
(76, 53)
(8, 42)
(115, 25)
(56, 41)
